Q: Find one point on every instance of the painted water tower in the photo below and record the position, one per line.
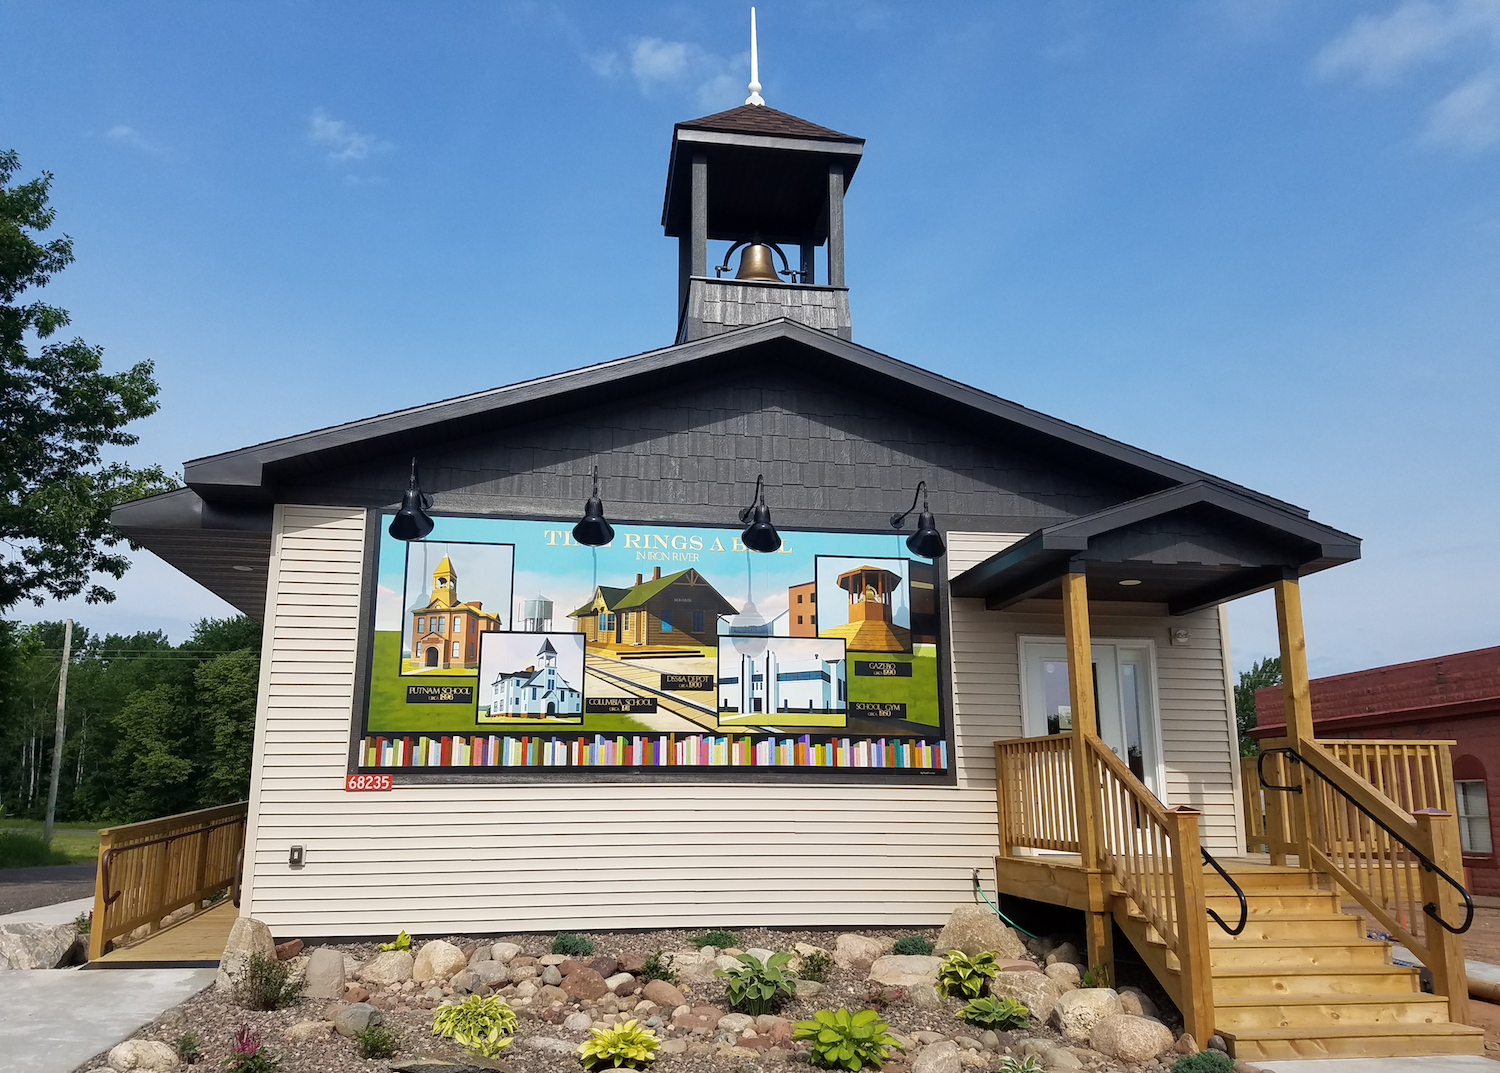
(536, 615)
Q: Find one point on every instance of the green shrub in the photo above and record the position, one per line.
(483, 1025)
(755, 987)
(187, 1048)
(27, 851)
(623, 1046)
(566, 942)
(377, 1041)
(267, 984)
(815, 966)
(912, 944)
(1204, 1062)
(1030, 1064)
(83, 923)
(996, 1013)
(657, 967)
(719, 938)
(1098, 976)
(844, 1040)
(245, 1055)
(400, 942)
(965, 976)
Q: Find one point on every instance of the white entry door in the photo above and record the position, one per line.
(1124, 694)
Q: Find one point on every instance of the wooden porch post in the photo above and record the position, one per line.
(1099, 924)
(1437, 832)
(1298, 701)
(1193, 953)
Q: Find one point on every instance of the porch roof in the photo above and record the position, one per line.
(1189, 547)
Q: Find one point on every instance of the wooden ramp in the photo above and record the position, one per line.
(197, 942)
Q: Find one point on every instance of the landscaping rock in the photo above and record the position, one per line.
(1077, 1012)
(284, 951)
(491, 973)
(503, 952)
(1066, 953)
(325, 973)
(465, 981)
(303, 1031)
(622, 983)
(1244, 1067)
(663, 994)
(390, 967)
(856, 952)
(248, 938)
(924, 996)
(354, 1019)
(1186, 1044)
(578, 1022)
(698, 1017)
(673, 1046)
(634, 964)
(693, 966)
(36, 946)
(1065, 974)
(519, 973)
(937, 1058)
(553, 975)
(1134, 1000)
(904, 970)
(584, 983)
(605, 966)
(1130, 1038)
(482, 952)
(974, 929)
(1059, 1060)
(1036, 992)
(355, 993)
(808, 989)
(145, 1054)
(1216, 1043)
(725, 963)
(438, 960)
(549, 994)
(735, 1022)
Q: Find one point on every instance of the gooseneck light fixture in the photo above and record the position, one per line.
(593, 531)
(411, 521)
(760, 534)
(926, 541)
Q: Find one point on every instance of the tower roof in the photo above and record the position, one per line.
(445, 566)
(760, 119)
(546, 649)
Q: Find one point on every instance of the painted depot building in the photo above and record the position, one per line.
(872, 804)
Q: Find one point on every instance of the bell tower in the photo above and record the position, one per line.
(771, 185)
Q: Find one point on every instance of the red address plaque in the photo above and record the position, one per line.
(367, 782)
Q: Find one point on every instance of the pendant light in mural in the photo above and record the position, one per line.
(411, 521)
(760, 534)
(593, 531)
(926, 541)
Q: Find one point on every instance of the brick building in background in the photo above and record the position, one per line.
(1454, 698)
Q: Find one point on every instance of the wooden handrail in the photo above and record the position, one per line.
(149, 870)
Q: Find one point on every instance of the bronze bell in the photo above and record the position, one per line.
(756, 265)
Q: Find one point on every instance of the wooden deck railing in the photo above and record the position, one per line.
(152, 869)
(1413, 775)
(1034, 794)
(1154, 854)
(1268, 815)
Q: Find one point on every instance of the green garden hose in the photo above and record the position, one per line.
(979, 890)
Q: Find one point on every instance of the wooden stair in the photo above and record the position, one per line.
(1302, 980)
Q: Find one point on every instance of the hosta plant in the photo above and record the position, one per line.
(1030, 1064)
(844, 1040)
(996, 1013)
(964, 976)
(757, 987)
(400, 942)
(622, 1046)
(482, 1024)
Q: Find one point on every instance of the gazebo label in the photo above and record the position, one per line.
(444, 694)
(881, 669)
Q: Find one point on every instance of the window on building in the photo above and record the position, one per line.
(421, 625)
(666, 622)
(812, 597)
(458, 650)
(471, 650)
(458, 624)
(697, 621)
(1473, 816)
(799, 600)
(799, 617)
(437, 624)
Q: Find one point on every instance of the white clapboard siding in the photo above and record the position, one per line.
(489, 858)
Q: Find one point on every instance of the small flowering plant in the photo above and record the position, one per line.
(246, 1055)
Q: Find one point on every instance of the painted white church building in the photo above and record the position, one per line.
(539, 690)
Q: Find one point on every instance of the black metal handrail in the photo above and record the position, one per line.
(1208, 859)
(1426, 862)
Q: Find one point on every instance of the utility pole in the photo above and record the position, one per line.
(57, 737)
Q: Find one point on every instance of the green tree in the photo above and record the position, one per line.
(226, 688)
(1262, 673)
(58, 413)
(151, 756)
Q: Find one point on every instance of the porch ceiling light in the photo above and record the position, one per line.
(926, 541)
(760, 534)
(1131, 581)
(411, 521)
(593, 531)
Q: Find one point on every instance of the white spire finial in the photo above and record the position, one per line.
(755, 97)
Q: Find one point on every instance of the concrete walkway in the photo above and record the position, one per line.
(1457, 1063)
(57, 1019)
(60, 913)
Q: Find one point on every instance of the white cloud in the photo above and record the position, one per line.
(1378, 50)
(341, 141)
(661, 66)
(121, 134)
(654, 60)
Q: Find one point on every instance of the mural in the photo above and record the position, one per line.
(501, 644)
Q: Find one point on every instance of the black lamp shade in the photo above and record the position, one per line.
(926, 541)
(761, 535)
(593, 531)
(411, 521)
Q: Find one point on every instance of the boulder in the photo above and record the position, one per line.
(303, 1031)
(1059, 1060)
(503, 952)
(142, 1054)
(325, 973)
(585, 984)
(492, 973)
(605, 966)
(578, 1022)
(1186, 1044)
(1035, 991)
(356, 1017)
(518, 973)
(808, 989)
(287, 950)
(438, 960)
(1134, 1000)
(663, 994)
(693, 966)
(551, 974)
(465, 981)
(635, 964)
(549, 994)
(735, 1022)
(248, 938)
(1065, 974)
(726, 963)
(924, 996)
(937, 1058)
(355, 993)
(36, 946)
(856, 952)
(484, 952)
(1064, 952)
(1077, 1012)
(622, 983)
(974, 929)
(903, 970)
(1130, 1038)
(390, 967)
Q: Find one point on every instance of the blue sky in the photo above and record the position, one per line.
(1256, 237)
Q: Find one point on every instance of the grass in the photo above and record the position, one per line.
(74, 843)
